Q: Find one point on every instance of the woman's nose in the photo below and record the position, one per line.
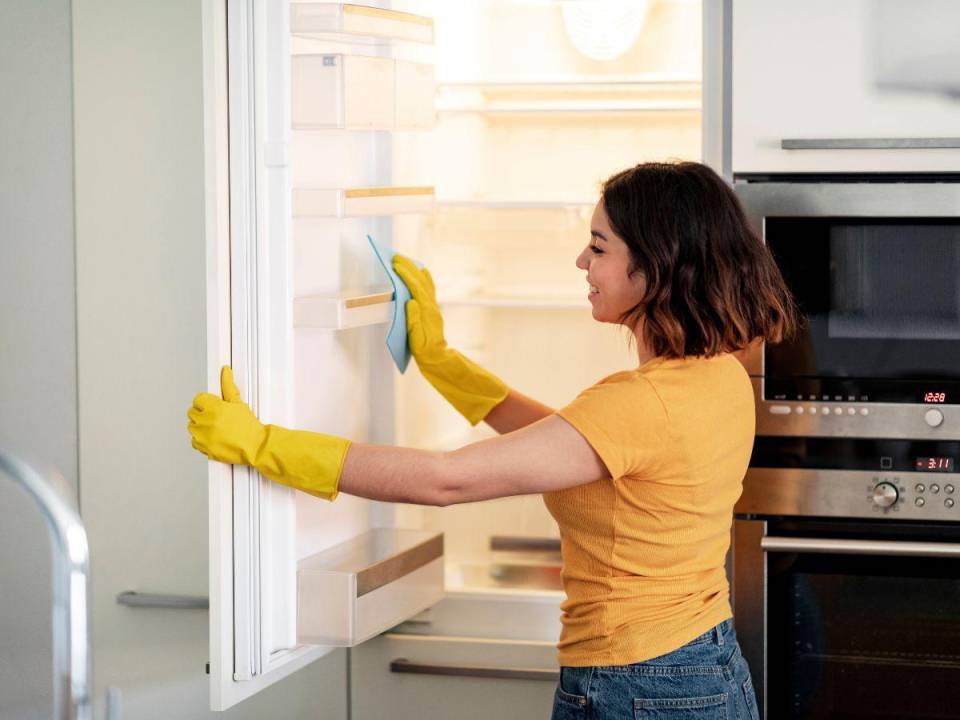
(583, 260)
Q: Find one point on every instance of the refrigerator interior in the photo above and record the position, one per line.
(530, 117)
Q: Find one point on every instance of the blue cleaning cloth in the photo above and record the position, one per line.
(397, 334)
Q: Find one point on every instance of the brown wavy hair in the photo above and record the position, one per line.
(712, 285)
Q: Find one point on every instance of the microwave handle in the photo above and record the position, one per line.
(928, 143)
(836, 546)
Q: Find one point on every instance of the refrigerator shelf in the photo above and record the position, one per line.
(500, 107)
(574, 83)
(359, 92)
(370, 583)
(517, 301)
(343, 310)
(358, 202)
(492, 204)
(320, 20)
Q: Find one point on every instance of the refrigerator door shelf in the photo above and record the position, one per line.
(358, 92)
(320, 20)
(343, 310)
(358, 589)
(360, 202)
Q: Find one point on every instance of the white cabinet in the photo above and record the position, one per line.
(815, 88)
(409, 677)
(471, 656)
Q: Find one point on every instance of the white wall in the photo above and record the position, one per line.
(141, 356)
(38, 373)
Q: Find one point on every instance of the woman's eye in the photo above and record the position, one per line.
(595, 250)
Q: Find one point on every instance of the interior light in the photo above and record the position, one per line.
(604, 29)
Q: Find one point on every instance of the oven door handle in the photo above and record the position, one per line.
(838, 546)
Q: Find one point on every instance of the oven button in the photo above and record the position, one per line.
(885, 494)
(948, 489)
(799, 409)
(851, 411)
(948, 502)
(779, 409)
(864, 411)
(934, 488)
(934, 418)
(920, 502)
(919, 487)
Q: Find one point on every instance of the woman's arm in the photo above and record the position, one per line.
(544, 456)
(515, 412)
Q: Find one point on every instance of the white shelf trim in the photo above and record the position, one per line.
(515, 204)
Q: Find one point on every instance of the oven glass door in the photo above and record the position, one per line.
(862, 632)
(881, 299)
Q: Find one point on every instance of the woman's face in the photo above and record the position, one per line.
(613, 291)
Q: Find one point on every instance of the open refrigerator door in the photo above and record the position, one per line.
(472, 136)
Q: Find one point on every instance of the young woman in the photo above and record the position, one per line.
(641, 471)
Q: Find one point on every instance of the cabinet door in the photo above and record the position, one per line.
(427, 677)
(850, 73)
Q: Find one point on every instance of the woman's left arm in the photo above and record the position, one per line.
(544, 456)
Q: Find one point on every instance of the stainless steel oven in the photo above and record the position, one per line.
(846, 562)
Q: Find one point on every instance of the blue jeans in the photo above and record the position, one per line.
(706, 679)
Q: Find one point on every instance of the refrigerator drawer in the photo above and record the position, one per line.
(356, 92)
(406, 677)
(352, 591)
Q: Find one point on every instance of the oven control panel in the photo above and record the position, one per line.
(892, 493)
(853, 416)
(853, 477)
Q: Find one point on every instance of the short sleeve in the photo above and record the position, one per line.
(623, 419)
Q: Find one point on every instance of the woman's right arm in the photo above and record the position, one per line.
(516, 411)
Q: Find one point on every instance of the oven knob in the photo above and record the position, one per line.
(933, 417)
(885, 494)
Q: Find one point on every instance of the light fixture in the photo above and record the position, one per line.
(603, 29)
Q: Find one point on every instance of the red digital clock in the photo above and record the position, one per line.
(934, 397)
(935, 464)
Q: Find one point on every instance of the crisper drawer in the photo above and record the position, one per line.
(822, 86)
(356, 92)
(406, 677)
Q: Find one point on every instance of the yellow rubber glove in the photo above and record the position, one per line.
(473, 391)
(227, 430)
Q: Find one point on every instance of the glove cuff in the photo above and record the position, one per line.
(472, 390)
(308, 461)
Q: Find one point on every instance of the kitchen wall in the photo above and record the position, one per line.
(38, 373)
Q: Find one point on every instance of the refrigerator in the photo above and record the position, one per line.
(473, 137)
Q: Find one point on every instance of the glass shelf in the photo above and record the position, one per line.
(359, 202)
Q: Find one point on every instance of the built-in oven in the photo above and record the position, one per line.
(875, 270)
(846, 549)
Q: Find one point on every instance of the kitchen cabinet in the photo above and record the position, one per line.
(471, 656)
(822, 86)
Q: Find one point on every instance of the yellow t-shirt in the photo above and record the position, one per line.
(643, 552)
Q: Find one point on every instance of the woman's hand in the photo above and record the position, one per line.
(472, 390)
(226, 429)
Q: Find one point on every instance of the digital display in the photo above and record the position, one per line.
(935, 397)
(935, 464)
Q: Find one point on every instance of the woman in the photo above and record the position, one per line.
(641, 471)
